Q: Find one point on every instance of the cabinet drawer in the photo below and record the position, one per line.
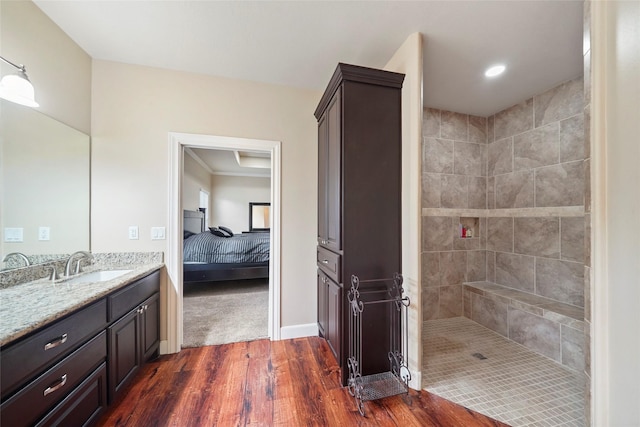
(126, 299)
(84, 405)
(329, 262)
(37, 398)
(24, 360)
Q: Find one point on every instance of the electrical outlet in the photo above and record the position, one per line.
(133, 232)
(157, 233)
(44, 233)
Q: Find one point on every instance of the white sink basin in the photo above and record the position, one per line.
(98, 276)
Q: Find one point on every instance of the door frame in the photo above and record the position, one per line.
(177, 143)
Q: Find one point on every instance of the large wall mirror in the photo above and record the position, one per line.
(45, 186)
(259, 219)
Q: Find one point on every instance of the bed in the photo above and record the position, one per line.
(210, 258)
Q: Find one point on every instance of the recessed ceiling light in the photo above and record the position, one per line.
(495, 70)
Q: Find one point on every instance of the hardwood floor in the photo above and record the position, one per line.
(263, 383)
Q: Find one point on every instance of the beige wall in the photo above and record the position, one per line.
(134, 108)
(615, 145)
(230, 197)
(58, 68)
(194, 179)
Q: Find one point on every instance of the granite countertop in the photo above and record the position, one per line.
(29, 306)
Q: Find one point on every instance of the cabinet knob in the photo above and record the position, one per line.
(140, 310)
(325, 261)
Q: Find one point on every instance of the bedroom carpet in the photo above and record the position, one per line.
(225, 312)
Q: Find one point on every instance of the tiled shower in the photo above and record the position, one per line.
(503, 206)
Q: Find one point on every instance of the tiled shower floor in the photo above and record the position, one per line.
(512, 384)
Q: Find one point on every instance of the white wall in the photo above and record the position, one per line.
(230, 197)
(195, 178)
(58, 68)
(615, 47)
(134, 108)
(408, 60)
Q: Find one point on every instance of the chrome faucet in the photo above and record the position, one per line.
(81, 255)
(19, 255)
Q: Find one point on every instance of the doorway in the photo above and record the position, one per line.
(174, 303)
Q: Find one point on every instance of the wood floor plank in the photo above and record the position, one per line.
(262, 383)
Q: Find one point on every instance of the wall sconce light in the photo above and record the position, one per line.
(17, 87)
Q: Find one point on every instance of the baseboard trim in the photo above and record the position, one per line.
(416, 380)
(299, 331)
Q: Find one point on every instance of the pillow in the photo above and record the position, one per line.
(187, 234)
(226, 230)
(216, 232)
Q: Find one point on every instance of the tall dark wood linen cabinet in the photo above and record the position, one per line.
(359, 205)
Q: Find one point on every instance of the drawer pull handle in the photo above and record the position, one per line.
(325, 261)
(61, 382)
(53, 344)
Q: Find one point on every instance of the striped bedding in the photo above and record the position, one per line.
(241, 248)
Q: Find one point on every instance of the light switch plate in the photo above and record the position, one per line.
(133, 232)
(14, 234)
(157, 233)
(44, 233)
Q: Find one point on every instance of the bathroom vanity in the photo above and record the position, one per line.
(67, 350)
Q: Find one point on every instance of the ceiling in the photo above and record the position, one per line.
(232, 163)
(299, 43)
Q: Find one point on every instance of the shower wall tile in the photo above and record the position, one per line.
(516, 190)
(477, 187)
(431, 122)
(587, 131)
(572, 138)
(453, 268)
(562, 101)
(500, 234)
(560, 280)
(476, 266)
(538, 334)
(467, 158)
(454, 126)
(587, 294)
(572, 347)
(560, 185)
(478, 129)
(514, 120)
(466, 303)
(515, 271)
(437, 233)
(437, 155)
(430, 269)
(450, 302)
(491, 266)
(453, 191)
(500, 157)
(587, 185)
(483, 233)
(490, 313)
(466, 244)
(537, 236)
(490, 129)
(537, 147)
(572, 243)
(431, 190)
(430, 298)
(491, 192)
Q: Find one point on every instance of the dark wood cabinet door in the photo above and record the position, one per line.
(150, 325)
(334, 318)
(323, 153)
(124, 351)
(322, 304)
(334, 173)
